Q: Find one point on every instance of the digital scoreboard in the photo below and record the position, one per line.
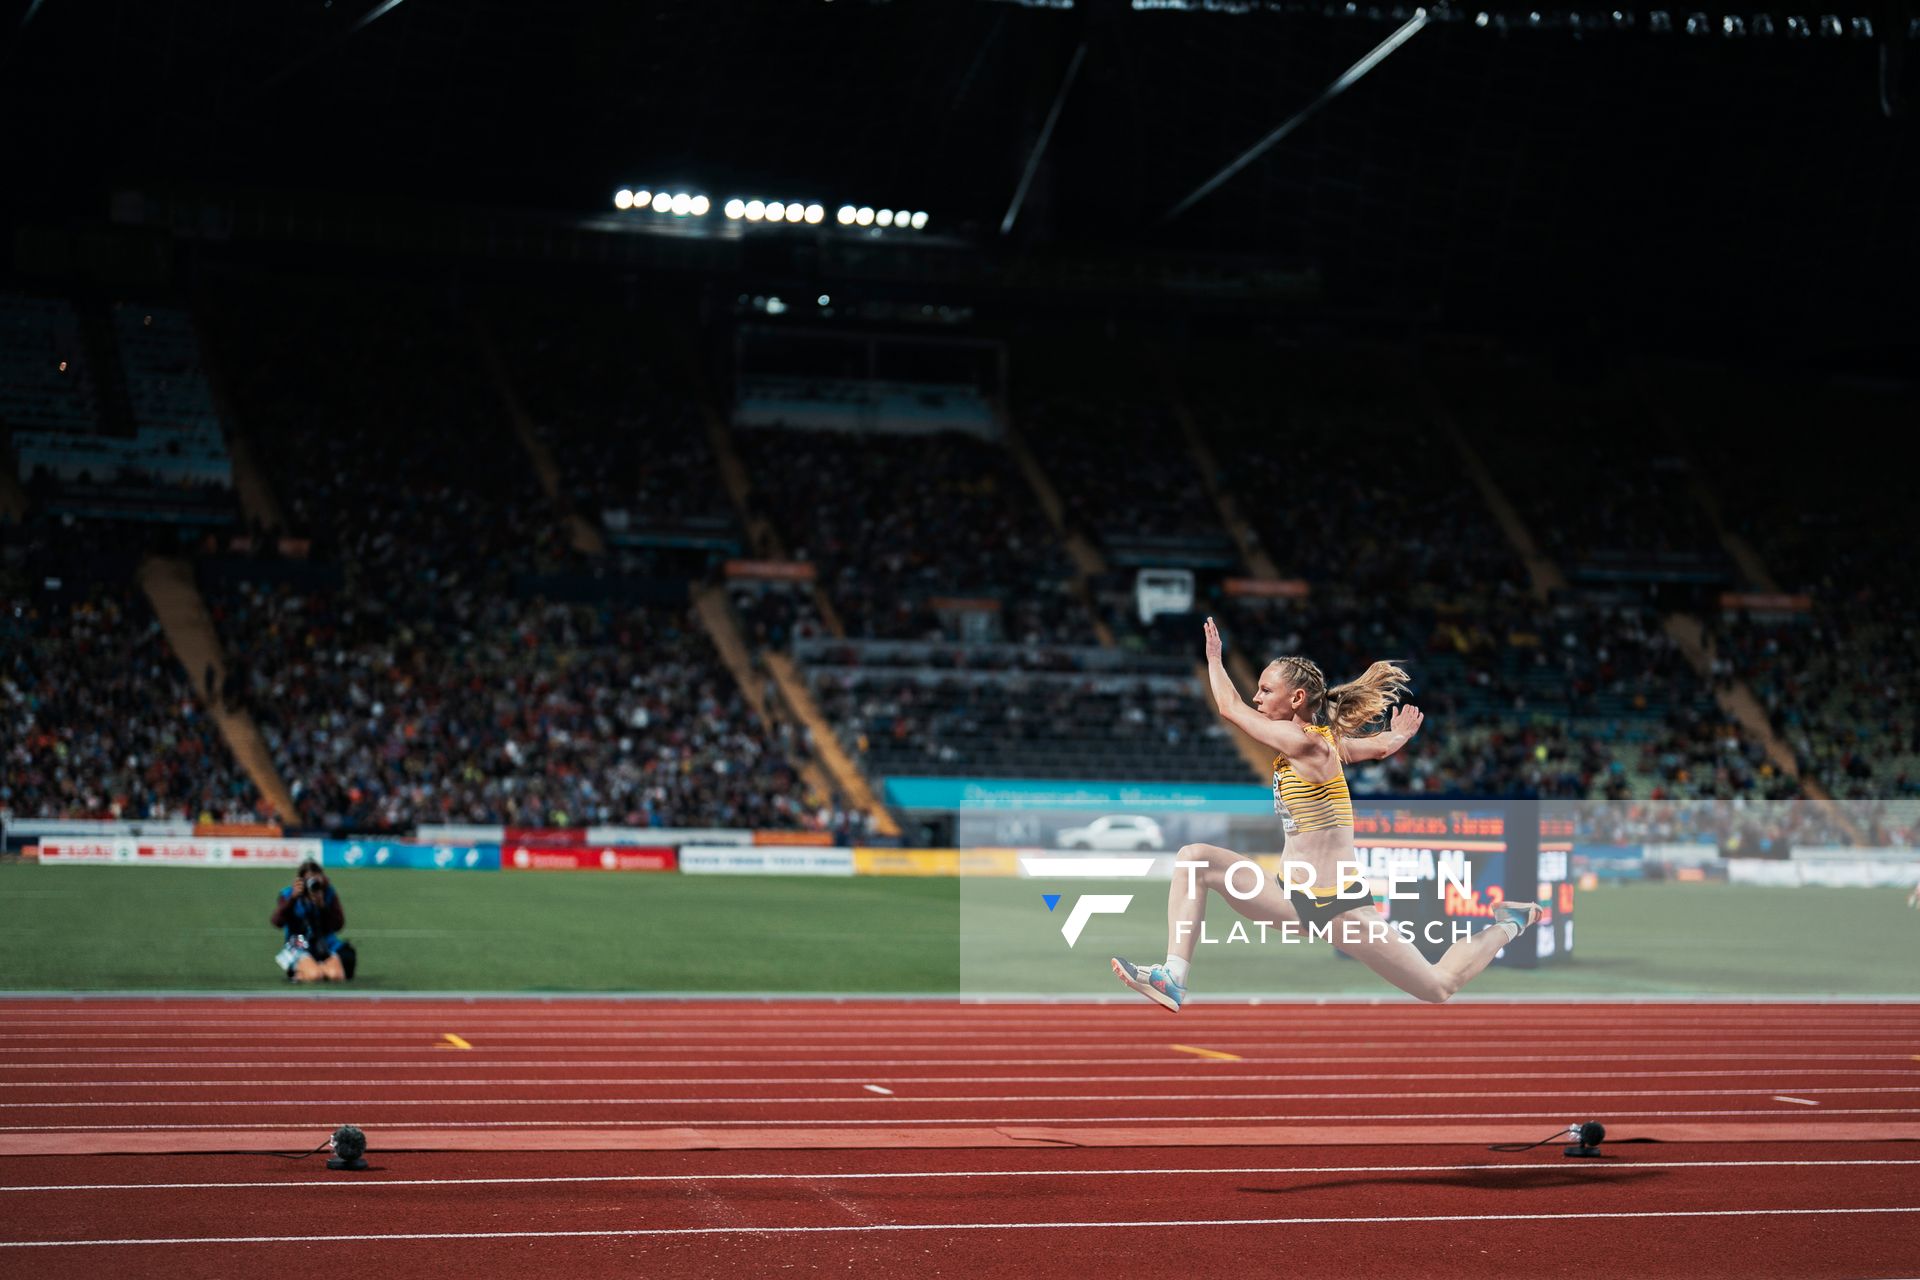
(1463, 859)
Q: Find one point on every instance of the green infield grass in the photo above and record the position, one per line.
(155, 928)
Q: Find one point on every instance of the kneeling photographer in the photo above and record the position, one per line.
(309, 911)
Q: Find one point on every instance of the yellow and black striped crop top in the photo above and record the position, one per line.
(1310, 806)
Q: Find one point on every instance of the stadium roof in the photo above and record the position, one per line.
(1484, 168)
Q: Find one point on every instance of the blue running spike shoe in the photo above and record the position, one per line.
(1154, 983)
(1521, 915)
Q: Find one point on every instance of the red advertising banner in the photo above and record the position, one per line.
(591, 858)
(543, 838)
(185, 851)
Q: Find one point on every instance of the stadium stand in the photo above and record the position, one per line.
(1122, 469)
(100, 721)
(381, 433)
(627, 435)
(414, 671)
(918, 537)
(517, 711)
(444, 652)
(1345, 477)
(45, 383)
(1011, 711)
(1826, 637)
(136, 439)
(1606, 491)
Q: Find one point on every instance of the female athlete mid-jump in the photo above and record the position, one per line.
(1315, 730)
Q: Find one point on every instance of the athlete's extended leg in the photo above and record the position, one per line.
(1187, 896)
(1165, 983)
(1366, 936)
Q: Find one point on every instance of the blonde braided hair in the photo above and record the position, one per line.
(1349, 708)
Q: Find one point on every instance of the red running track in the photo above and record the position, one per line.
(1165, 1104)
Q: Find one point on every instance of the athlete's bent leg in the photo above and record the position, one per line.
(1365, 935)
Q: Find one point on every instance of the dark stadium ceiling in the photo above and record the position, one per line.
(1644, 170)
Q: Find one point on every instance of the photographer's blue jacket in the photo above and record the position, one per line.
(319, 925)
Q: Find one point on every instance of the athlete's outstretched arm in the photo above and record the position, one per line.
(1284, 736)
(1405, 722)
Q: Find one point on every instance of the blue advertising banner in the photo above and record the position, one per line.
(374, 852)
(1115, 797)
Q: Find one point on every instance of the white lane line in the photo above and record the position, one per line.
(828, 1027)
(257, 997)
(908, 1122)
(942, 1099)
(1222, 1072)
(631, 1232)
(838, 1176)
(377, 1010)
(874, 1088)
(1242, 1031)
(1117, 1015)
(1363, 1053)
(1805, 1102)
(399, 1006)
(880, 1036)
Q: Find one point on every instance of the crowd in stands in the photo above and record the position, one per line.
(775, 615)
(505, 710)
(1833, 670)
(628, 437)
(97, 718)
(1597, 481)
(386, 442)
(941, 655)
(422, 683)
(1838, 684)
(1524, 698)
(1338, 467)
(1027, 725)
(901, 528)
(1121, 467)
(1749, 826)
(419, 673)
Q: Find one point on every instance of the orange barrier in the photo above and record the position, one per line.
(817, 839)
(269, 829)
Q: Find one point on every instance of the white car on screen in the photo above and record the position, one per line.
(1114, 832)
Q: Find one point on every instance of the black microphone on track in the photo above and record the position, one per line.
(349, 1146)
(1590, 1134)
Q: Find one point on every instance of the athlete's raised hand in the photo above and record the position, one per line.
(1213, 642)
(1406, 721)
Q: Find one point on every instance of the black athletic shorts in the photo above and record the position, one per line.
(1317, 910)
